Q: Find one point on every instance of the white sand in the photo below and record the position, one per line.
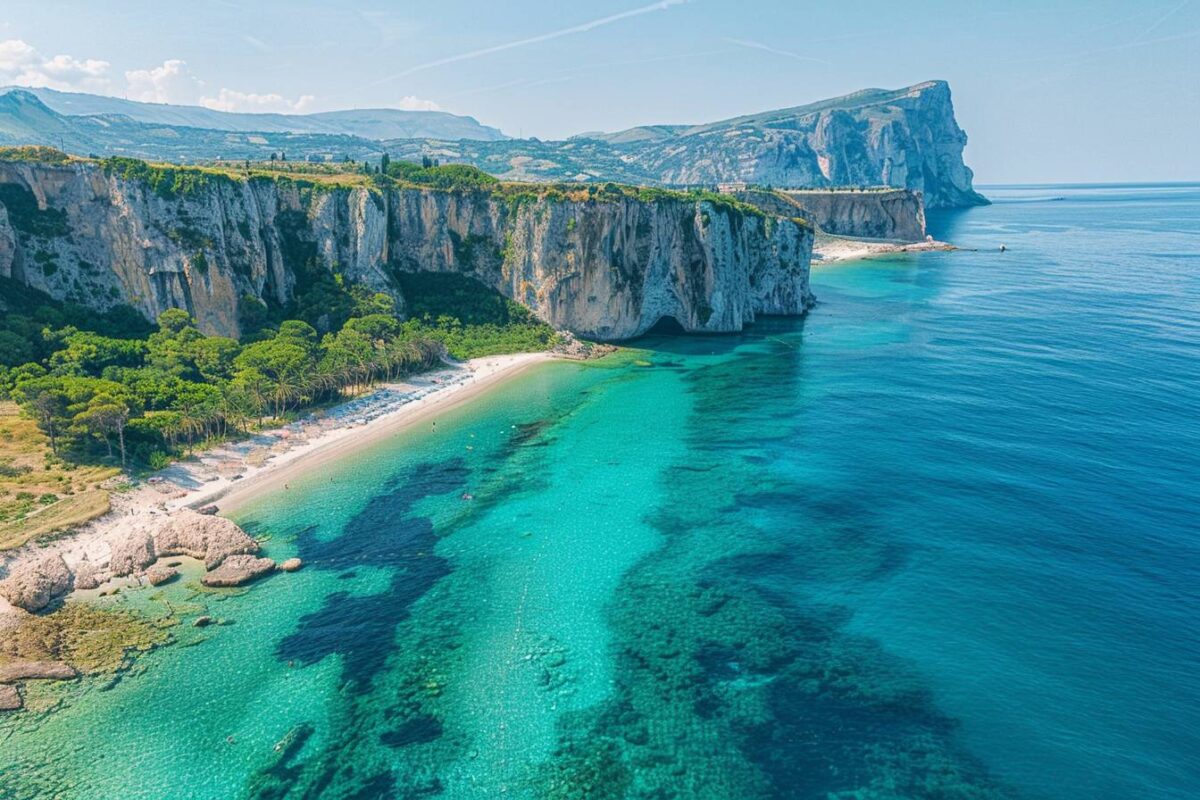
(829, 249)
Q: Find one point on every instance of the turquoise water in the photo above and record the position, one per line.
(938, 540)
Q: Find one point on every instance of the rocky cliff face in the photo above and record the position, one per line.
(907, 139)
(896, 215)
(604, 266)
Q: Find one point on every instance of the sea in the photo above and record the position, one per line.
(938, 539)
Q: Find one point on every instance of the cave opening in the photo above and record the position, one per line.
(667, 325)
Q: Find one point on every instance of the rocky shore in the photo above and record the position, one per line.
(150, 526)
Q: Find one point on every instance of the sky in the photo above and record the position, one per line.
(1073, 90)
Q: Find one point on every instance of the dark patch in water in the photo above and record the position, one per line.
(418, 730)
(276, 781)
(361, 628)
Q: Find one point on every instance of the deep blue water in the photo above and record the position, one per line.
(937, 540)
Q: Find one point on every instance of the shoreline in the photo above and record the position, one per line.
(234, 474)
(830, 249)
(484, 374)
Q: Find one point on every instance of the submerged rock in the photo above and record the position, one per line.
(291, 565)
(34, 585)
(36, 670)
(202, 622)
(237, 570)
(10, 698)
(160, 574)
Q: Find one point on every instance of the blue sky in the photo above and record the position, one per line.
(1047, 91)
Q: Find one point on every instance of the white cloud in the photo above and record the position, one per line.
(233, 100)
(23, 65)
(413, 103)
(170, 82)
(753, 45)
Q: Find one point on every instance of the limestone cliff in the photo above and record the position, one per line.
(907, 138)
(602, 264)
(895, 215)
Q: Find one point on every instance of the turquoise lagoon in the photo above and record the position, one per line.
(937, 540)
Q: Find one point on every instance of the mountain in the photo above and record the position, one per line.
(905, 138)
(375, 123)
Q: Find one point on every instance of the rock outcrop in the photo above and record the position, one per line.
(238, 570)
(10, 699)
(160, 574)
(907, 138)
(36, 670)
(209, 539)
(896, 215)
(132, 550)
(600, 263)
(291, 565)
(36, 584)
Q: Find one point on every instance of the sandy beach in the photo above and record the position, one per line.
(829, 249)
(235, 473)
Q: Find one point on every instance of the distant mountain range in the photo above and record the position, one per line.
(906, 138)
(371, 123)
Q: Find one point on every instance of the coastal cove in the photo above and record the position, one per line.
(937, 534)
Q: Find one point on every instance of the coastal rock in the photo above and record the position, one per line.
(10, 699)
(209, 539)
(160, 574)
(602, 264)
(89, 576)
(202, 622)
(132, 551)
(291, 565)
(896, 215)
(36, 670)
(34, 585)
(237, 570)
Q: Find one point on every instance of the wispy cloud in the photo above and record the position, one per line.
(257, 43)
(584, 27)
(1158, 22)
(766, 48)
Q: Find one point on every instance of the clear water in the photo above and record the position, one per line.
(939, 540)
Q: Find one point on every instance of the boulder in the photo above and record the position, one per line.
(238, 569)
(36, 671)
(132, 552)
(34, 585)
(160, 574)
(202, 622)
(89, 576)
(210, 539)
(291, 565)
(10, 698)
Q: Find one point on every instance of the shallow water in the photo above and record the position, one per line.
(938, 540)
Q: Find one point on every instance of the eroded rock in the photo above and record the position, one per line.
(210, 539)
(89, 576)
(132, 552)
(34, 585)
(10, 698)
(236, 570)
(160, 574)
(36, 670)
